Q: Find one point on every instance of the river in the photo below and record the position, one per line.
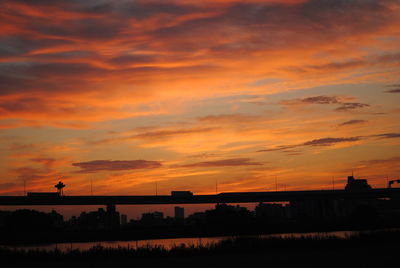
(166, 243)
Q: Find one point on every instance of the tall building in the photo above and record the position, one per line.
(112, 218)
(179, 213)
(124, 219)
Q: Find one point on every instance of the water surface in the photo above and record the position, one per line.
(168, 243)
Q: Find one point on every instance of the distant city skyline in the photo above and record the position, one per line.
(353, 186)
(150, 96)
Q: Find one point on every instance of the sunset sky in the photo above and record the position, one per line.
(190, 94)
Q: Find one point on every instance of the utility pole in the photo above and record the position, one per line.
(91, 186)
(216, 186)
(276, 184)
(333, 182)
(156, 189)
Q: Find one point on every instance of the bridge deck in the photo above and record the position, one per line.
(237, 197)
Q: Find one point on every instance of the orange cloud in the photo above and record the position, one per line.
(223, 163)
(102, 165)
(81, 54)
(195, 84)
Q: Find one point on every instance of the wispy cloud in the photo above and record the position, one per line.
(387, 135)
(155, 134)
(351, 106)
(117, 165)
(169, 133)
(232, 162)
(322, 99)
(279, 148)
(396, 90)
(352, 122)
(329, 141)
(229, 118)
(386, 161)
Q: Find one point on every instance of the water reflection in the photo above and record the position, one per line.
(168, 243)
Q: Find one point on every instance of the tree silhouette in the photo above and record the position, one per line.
(60, 187)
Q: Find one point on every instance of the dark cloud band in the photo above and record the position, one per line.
(108, 165)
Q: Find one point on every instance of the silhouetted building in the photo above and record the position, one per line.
(97, 220)
(152, 218)
(226, 215)
(326, 210)
(197, 218)
(357, 184)
(179, 213)
(3, 217)
(314, 210)
(113, 217)
(57, 219)
(124, 219)
(92, 220)
(271, 212)
(26, 220)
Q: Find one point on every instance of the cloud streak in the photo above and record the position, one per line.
(232, 162)
(351, 106)
(154, 134)
(117, 165)
(324, 100)
(387, 135)
(329, 141)
(396, 90)
(320, 100)
(352, 122)
(317, 142)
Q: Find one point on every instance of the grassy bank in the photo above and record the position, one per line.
(369, 249)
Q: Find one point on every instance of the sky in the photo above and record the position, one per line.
(123, 97)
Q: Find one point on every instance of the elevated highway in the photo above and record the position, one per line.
(235, 197)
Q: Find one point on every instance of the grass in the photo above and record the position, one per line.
(365, 250)
(237, 245)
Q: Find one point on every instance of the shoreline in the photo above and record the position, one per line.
(374, 249)
(217, 235)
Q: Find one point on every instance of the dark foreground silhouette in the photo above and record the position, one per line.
(368, 249)
(299, 215)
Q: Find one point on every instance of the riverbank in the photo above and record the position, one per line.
(367, 249)
(21, 237)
